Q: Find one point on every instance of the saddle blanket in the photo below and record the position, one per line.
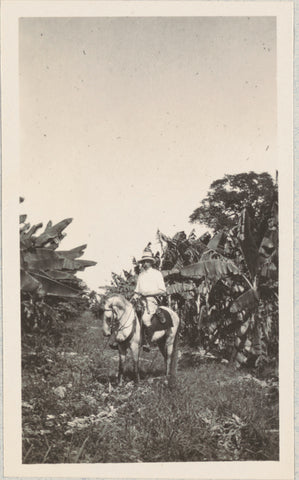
(161, 320)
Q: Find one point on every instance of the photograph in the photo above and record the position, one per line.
(151, 201)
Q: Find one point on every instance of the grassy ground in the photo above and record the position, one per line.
(74, 412)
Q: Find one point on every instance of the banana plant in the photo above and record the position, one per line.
(48, 275)
(181, 250)
(45, 269)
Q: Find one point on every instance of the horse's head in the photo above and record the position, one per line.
(113, 310)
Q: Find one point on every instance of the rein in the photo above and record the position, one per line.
(114, 325)
(115, 328)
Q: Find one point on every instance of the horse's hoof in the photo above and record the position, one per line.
(170, 383)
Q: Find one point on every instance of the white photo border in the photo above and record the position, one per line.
(11, 12)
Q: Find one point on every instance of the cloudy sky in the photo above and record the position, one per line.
(125, 122)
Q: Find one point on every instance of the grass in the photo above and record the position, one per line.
(74, 412)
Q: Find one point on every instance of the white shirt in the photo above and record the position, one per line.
(150, 282)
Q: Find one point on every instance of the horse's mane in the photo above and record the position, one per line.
(117, 300)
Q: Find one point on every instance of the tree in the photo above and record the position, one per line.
(228, 196)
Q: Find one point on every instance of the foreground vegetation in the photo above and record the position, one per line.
(74, 412)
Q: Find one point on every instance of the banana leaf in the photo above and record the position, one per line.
(247, 242)
(74, 253)
(214, 269)
(179, 237)
(248, 300)
(61, 275)
(46, 259)
(32, 282)
(169, 273)
(28, 283)
(42, 259)
(55, 242)
(52, 232)
(163, 237)
(217, 242)
(190, 253)
(179, 288)
(48, 226)
(33, 230)
(54, 288)
(24, 229)
(198, 244)
(74, 265)
(26, 237)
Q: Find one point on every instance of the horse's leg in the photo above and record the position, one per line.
(135, 351)
(172, 357)
(165, 348)
(171, 351)
(162, 347)
(121, 364)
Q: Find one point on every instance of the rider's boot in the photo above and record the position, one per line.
(146, 338)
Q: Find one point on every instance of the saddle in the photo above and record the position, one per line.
(161, 320)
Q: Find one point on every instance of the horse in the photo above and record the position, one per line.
(120, 317)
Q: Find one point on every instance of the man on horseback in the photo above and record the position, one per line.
(150, 286)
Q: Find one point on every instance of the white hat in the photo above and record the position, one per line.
(147, 255)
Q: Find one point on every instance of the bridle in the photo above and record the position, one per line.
(115, 321)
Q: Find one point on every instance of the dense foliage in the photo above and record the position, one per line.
(225, 288)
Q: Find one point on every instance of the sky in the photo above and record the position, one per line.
(125, 122)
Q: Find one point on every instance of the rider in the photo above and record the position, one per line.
(150, 285)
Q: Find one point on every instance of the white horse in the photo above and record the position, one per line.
(121, 319)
